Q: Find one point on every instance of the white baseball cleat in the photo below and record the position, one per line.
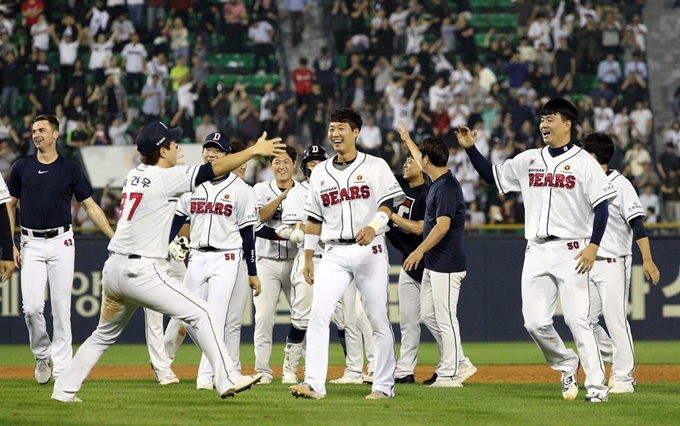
(74, 399)
(569, 387)
(265, 380)
(368, 378)
(622, 388)
(204, 386)
(344, 380)
(466, 370)
(244, 384)
(43, 373)
(596, 397)
(378, 395)
(289, 378)
(169, 380)
(447, 382)
(304, 390)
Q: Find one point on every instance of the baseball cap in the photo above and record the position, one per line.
(219, 140)
(153, 135)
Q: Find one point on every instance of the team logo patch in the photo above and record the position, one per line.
(532, 162)
(226, 196)
(360, 177)
(24, 244)
(321, 183)
(567, 168)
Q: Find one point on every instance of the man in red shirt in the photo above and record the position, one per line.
(302, 80)
(31, 10)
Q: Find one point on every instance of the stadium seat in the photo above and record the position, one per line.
(504, 20)
(480, 20)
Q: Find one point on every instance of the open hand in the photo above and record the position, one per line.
(6, 269)
(413, 260)
(466, 138)
(269, 147)
(586, 258)
(403, 131)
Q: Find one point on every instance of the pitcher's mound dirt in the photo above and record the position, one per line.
(485, 373)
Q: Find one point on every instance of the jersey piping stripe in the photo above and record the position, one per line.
(349, 175)
(342, 216)
(604, 197)
(233, 289)
(626, 291)
(210, 218)
(212, 328)
(146, 335)
(389, 196)
(192, 184)
(547, 220)
(498, 181)
(591, 329)
(453, 330)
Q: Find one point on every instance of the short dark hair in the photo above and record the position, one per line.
(303, 61)
(50, 118)
(436, 150)
(561, 107)
(346, 115)
(236, 146)
(152, 158)
(599, 144)
(292, 153)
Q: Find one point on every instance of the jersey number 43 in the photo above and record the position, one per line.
(135, 199)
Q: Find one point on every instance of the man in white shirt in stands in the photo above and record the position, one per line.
(603, 116)
(370, 138)
(636, 66)
(403, 110)
(153, 94)
(261, 35)
(124, 28)
(540, 33)
(458, 112)
(440, 93)
(134, 59)
(159, 66)
(99, 18)
(641, 122)
(68, 51)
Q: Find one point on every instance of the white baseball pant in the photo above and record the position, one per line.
(439, 307)
(369, 266)
(610, 285)
(128, 284)
(301, 293)
(274, 277)
(237, 305)
(409, 324)
(549, 266)
(48, 260)
(155, 337)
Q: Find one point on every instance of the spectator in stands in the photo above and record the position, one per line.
(338, 23)
(75, 110)
(517, 71)
(398, 21)
(370, 137)
(447, 33)
(267, 108)
(609, 71)
(134, 60)
(205, 128)
(629, 46)
(526, 12)
(266, 10)
(118, 131)
(491, 114)
(11, 81)
(7, 46)
(40, 33)
(68, 52)
(520, 113)
(440, 93)
(235, 21)
(179, 72)
(297, 10)
(30, 10)
(113, 101)
(99, 18)
(325, 70)
(636, 66)
(153, 93)
(261, 35)
(649, 199)
(314, 114)
(158, 66)
(465, 39)
(182, 9)
(100, 54)
(671, 134)
(641, 122)
(634, 88)
(540, 32)
(423, 122)
(639, 30)
(124, 29)
(611, 34)
(6, 25)
(459, 113)
(647, 177)
(636, 156)
(415, 34)
(237, 102)
(187, 95)
(41, 98)
(588, 46)
(604, 116)
(562, 25)
(667, 160)
(382, 74)
(460, 79)
(249, 119)
(670, 191)
(621, 126)
(77, 138)
(7, 157)
(135, 10)
(113, 70)
(179, 38)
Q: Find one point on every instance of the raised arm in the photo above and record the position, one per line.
(412, 147)
(96, 214)
(264, 147)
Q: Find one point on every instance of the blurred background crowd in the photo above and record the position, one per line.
(107, 67)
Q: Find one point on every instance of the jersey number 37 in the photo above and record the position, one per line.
(135, 199)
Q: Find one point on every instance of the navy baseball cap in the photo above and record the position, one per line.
(220, 140)
(153, 135)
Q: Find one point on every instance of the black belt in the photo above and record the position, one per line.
(318, 256)
(209, 249)
(550, 238)
(343, 241)
(134, 256)
(47, 233)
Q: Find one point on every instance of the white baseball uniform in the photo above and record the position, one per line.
(559, 195)
(344, 199)
(274, 266)
(610, 279)
(136, 275)
(217, 210)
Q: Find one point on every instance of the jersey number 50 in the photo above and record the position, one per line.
(135, 199)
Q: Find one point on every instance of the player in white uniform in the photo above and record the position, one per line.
(611, 273)
(344, 193)
(565, 195)
(274, 257)
(135, 273)
(222, 213)
(294, 220)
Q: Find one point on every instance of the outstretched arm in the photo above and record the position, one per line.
(467, 139)
(412, 147)
(95, 213)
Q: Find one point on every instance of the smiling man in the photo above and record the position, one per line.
(565, 195)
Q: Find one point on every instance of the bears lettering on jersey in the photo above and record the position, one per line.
(216, 208)
(333, 196)
(557, 180)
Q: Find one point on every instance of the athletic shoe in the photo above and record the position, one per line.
(304, 390)
(431, 380)
(368, 378)
(466, 370)
(43, 373)
(74, 399)
(569, 387)
(446, 382)
(344, 380)
(595, 397)
(378, 395)
(204, 386)
(622, 388)
(289, 378)
(244, 384)
(266, 380)
(410, 378)
(169, 380)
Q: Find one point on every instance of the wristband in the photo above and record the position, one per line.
(379, 220)
(311, 241)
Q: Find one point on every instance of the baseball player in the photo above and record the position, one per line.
(275, 257)
(343, 193)
(294, 220)
(222, 213)
(611, 272)
(135, 273)
(564, 192)
(442, 252)
(45, 184)
(6, 244)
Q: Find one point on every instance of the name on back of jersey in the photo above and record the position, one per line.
(136, 181)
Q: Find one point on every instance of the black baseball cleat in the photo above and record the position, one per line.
(431, 380)
(406, 379)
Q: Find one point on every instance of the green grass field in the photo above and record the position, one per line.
(142, 402)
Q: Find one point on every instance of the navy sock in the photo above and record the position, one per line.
(295, 335)
(341, 338)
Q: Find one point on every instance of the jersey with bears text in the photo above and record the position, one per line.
(280, 249)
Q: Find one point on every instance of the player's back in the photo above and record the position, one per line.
(147, 207)
(618, 236)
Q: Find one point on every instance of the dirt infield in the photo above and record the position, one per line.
(485, 373)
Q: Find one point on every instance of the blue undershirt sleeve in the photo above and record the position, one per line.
(205, 173)
(6, 243)
(268, 233)
(638, 226)
(600, 222)
(177, 222)
(481, 164)
(249, 249)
